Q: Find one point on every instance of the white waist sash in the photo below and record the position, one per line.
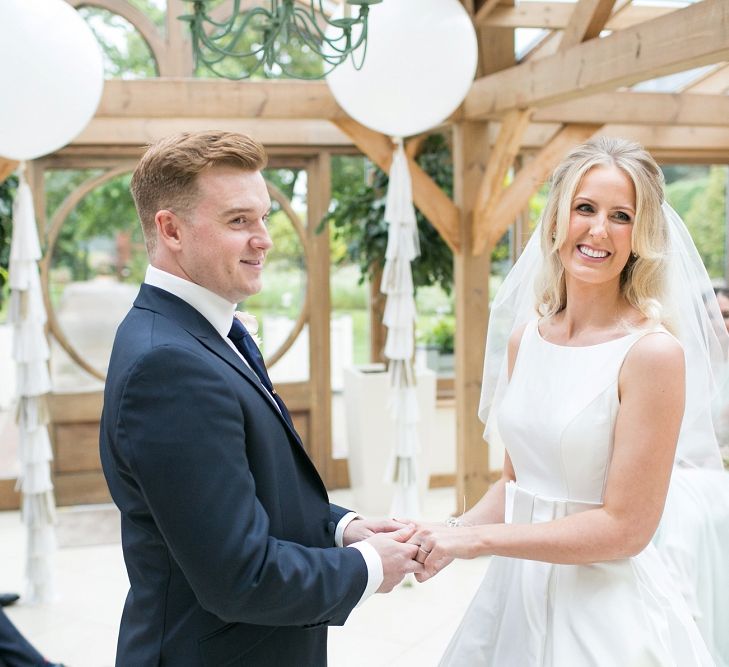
(523, 506)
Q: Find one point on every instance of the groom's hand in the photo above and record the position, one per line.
(362, 529)
(397, 555)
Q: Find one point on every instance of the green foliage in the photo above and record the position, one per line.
(701, 202)
(707, 222)
(154, 9)
(86, 243)
(285, 180)
(287, 248)
(680, 194)
(358, 211)
(126, 54)
(441, 334)
(346, 291)
(296, 57)
(7, 192)
(682, 172)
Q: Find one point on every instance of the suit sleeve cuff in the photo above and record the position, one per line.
(342, 525)
(375, 574)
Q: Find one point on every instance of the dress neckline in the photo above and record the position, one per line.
(585, 347)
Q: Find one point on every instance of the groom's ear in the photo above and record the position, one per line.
(169, 230)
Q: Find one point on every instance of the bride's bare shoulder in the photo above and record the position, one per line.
(656, 354)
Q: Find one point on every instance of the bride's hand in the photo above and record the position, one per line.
(438, 545)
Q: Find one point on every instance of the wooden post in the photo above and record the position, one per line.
(470, 157)
(378, 331)
(318, 196)
(178, 61)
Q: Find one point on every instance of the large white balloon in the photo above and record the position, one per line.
(421, 60)
(51, 76)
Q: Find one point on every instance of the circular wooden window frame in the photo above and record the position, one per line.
(73, 199)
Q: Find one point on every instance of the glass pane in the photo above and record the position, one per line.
(278, 305)
(97, 264)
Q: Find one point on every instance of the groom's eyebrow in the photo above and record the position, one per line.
(239, 210)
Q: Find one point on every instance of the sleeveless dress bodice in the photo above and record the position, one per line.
(557, 422)
(558, 414)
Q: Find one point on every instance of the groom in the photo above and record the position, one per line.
(233, 551)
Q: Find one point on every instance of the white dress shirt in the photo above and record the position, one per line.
(220, 312)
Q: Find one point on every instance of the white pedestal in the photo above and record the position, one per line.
(371, 435)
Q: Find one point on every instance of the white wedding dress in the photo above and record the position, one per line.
(693, 540)
(557, 421)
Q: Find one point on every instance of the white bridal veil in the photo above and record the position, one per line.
(689, 308)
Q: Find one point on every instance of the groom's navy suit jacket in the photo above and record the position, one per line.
(227, 530)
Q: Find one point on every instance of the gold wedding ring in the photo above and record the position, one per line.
(417, 556)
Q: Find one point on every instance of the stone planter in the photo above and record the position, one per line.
(442, 363)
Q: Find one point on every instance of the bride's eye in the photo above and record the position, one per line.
(584, 208)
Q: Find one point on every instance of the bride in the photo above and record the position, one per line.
(601, 348)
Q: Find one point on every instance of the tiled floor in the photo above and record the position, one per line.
(410, 626)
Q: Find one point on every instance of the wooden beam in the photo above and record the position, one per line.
(317, 283)
(217, 98)
(640, 109)
(7, 167)
(178, 54)
(433, 203)
(679, 140)
(485, 9)
(471, 277)
(557, 15)
(713, 83)
(532, 176)
(413, 145)
(546, 46)
(500, 161)
(270, 132)
(495, 50)
(468, 5)
(621, 59)
(587, 21)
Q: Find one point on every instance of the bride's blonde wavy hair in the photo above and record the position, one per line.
(642, 280)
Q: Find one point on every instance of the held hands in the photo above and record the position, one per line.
(362, 529)
(397, 555)
(438, 545)
(406, 546)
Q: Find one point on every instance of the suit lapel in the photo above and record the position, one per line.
(170, 306)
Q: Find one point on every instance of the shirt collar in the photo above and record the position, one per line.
(214, 308)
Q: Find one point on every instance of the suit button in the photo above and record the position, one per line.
(332, 527)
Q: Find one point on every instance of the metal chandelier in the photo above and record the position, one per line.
(262, 39)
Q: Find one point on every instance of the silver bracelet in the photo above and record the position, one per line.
(455, 522)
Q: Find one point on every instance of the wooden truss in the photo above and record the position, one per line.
(574, 83)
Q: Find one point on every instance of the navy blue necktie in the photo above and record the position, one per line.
(248, 348)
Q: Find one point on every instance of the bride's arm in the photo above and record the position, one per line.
(651, 386)
(490, 509)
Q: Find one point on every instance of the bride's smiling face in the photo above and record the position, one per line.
(598, 242)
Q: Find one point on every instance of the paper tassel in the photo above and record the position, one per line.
(30, 352)
(399, 317)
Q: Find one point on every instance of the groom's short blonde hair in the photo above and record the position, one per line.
(166, 176)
